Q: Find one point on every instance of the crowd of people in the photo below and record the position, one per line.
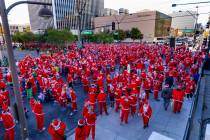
(127, 76)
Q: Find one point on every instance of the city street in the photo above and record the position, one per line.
(52, 110)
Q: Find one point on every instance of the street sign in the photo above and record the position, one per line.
(115, 33)
(87, 32)
(187, 30)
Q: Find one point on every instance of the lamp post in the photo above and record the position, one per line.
(18, 98)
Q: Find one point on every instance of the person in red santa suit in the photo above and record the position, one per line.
(73, 101)
(9, 78)
(63, 97)
(125, 108)
(8, 123)
(102, 101)
(178, 98)
(92, 100)
(133, 103)
(147, 86)
(85, 83)
(100, 80)
(190, 85)
(70, 80)
(146, 112)
(117, 97)
(85, 108)
(38, 111)
(156, 89)
(57, 129)
(7, 98)
(142, 99)
(111, 94)
(90, 117)
(81, 130)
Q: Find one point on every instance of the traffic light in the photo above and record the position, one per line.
(113, 26)
(207, 25)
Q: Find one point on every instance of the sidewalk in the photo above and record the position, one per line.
(163, 122)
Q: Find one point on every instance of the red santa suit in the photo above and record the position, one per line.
(8, 123)
(189, 87)
(102, 101)
(142, 99)
(125, 107)
(91, 120)
(147, 86)
(38, 111)
(178, 97)
(81, 131)
(57, 129)
(117, 97)
(85, 108)
(92, 100)
(146, 113)
(133, 103)
(7, 98)
(73, 100)
(85, 83)
(156, 89)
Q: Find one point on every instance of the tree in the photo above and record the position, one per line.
(135, 33)
(59, 37)
(119, 35)
(23, 37)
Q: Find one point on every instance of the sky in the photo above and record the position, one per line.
(19, 14)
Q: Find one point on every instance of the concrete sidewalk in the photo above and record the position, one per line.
(163, 122)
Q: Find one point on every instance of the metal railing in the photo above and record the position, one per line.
(194, 105)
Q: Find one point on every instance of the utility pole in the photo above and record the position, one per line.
(18, 97)
(81, 5)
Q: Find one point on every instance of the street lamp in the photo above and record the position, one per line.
(4, 12)
(191, 3)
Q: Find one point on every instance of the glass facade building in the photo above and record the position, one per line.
(65, 14)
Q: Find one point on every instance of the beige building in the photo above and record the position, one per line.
(152, 24)
(108, 12)
(14, 28)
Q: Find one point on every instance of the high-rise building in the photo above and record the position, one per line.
(38, 23)
(65, 14)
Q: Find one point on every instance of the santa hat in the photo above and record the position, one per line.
(81, 122)
(179, 86)
(56, 124)
(167, 85)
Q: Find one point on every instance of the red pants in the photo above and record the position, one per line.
(9, 134)
(40, 121)
(117, 105)
(155, 94)
(89, 128)
(147, 93)
(177, 106)
(124, 115)
(74, 106)
(145, 120)
(85, 88)
(34, 90)
(101, 105)
(133, 110)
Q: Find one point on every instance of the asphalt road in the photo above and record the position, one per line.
(51, 110)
